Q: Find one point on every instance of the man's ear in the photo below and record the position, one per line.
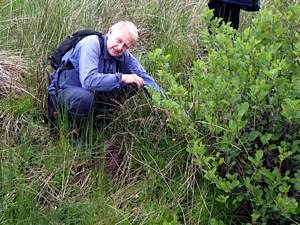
(109, 31)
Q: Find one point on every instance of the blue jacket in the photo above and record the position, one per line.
(96, 70)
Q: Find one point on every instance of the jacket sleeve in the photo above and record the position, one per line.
(88, 60)
(132, 65)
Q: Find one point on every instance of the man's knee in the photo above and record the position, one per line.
(79, 100)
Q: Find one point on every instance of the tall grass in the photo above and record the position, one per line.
(59, 182)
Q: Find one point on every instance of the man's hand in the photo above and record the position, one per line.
(132, 79)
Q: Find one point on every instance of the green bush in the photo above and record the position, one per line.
(240, 114)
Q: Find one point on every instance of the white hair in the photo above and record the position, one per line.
(129, 26)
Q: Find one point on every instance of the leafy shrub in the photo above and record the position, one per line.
(240, 112)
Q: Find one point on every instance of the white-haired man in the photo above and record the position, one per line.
(103, 72)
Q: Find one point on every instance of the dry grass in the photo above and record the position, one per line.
(13, 69)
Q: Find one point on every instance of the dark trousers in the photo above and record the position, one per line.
(81, 105)
(227, 11)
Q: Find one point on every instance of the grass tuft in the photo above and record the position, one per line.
(13, 69)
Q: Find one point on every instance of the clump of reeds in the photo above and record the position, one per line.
(12, 72)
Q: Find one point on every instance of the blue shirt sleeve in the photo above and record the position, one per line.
(88, 60)
(132, 65)
(86, 57)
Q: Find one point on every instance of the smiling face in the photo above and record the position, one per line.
(119, 40)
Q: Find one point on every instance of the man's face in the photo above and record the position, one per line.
(118, 41)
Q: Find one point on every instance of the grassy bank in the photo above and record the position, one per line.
(64, 180)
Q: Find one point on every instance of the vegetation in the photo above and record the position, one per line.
(222, 147)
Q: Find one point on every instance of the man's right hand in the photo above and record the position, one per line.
(132, 79)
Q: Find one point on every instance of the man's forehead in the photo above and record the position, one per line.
(125, 35)
(121, 32)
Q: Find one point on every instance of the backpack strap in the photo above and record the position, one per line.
(67, 44)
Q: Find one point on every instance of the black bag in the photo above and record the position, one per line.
(255, 6)
(67, 44)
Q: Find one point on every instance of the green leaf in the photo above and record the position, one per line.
(259, 155)
(265, 138)
(243, 108)
(233, 126)
(285, 205)
(214, 221)
(255, 215)
(253, 135)
(222, 198)
(284, 188)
